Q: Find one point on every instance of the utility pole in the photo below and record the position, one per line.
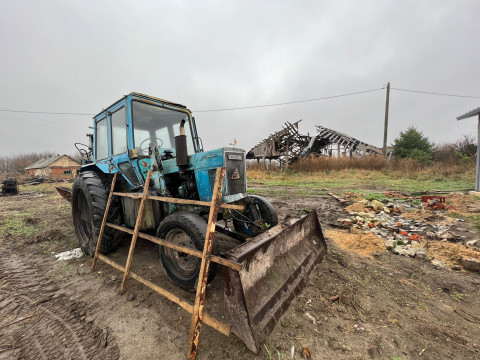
(386, 121)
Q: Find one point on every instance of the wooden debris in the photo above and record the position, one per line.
(340, 199)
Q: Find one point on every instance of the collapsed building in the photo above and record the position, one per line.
(288, 145)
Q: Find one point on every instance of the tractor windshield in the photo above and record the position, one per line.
(155, 126)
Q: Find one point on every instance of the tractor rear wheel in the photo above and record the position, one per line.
(89, 200)
(184, 229)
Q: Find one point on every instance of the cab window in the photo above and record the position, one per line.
(119, 132)
(101, 140)
(155, 126)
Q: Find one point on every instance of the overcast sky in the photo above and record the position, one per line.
(81, 56)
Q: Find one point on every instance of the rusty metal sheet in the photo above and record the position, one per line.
(65, 192)
(275, 268)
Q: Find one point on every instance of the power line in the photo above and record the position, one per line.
(211, 110)
(289, 102)
(439, 94)
(263, 105)
(44, 112)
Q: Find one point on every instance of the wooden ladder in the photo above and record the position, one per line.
(196, 309)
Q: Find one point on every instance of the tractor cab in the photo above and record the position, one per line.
(127, 132)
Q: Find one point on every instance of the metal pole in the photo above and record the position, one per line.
(386, 121)
(477, 177)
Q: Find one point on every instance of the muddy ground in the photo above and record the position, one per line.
(381, 306)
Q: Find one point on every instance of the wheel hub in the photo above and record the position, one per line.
(182, 261)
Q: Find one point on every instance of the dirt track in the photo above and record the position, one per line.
(388, 306)
(49, 325)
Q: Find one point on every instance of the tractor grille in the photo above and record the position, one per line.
(236, 174)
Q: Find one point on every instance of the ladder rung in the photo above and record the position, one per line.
(233, 265)
(111, 262)
(209, 320)
(179, 201)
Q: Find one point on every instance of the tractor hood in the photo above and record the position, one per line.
(204, 165)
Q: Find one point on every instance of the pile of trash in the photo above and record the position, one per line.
(406, 223)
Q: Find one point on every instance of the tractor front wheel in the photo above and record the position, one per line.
(258, 217)
(184, 229)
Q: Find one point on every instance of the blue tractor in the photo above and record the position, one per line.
(139, 133)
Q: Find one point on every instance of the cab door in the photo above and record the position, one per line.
(119, 145)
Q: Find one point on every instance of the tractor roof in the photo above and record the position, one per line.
(145, 97)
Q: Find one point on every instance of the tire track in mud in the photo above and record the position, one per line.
(47, 326)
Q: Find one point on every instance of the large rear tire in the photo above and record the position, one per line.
(260, 212)
(184, 229)
(89, 200)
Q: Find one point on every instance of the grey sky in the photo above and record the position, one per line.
(66, 56)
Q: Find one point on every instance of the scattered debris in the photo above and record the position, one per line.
(333, 298)
(426, 198)
(341, 200)
(433, 202)
(471, 264)
(71, 254)
(306, 353)
(473, 243)
(311, 317)
(130, 297)
(411, 228)
(41, 179)
(439, 264)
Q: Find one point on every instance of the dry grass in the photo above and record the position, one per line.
(372, 172)
(396, 167)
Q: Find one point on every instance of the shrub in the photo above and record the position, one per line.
(462, 150)
(412, 144)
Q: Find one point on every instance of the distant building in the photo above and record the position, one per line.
(475, 112)
(56, 167)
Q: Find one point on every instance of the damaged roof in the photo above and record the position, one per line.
(44, 162)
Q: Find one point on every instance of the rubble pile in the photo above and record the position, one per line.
(38, 179)
(41, 179)
(406, 224)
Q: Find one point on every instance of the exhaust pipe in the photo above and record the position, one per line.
(181, 147)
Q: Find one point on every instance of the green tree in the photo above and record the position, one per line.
(411, 143)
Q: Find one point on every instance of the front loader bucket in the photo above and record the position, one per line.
(275, 268)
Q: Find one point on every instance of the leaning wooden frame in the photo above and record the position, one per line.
(196, 309)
